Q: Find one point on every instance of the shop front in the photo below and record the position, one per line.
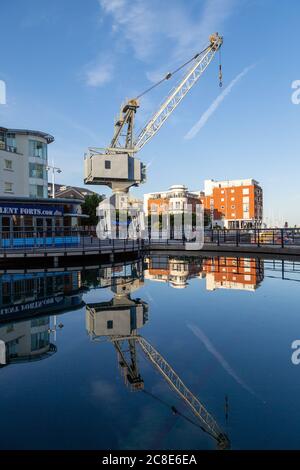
(39, 221)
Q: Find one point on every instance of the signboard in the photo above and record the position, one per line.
(38, 210)
(32, 306)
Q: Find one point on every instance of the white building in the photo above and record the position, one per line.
(175, 199)
(23, 163)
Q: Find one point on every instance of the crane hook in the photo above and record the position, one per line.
(220, 76)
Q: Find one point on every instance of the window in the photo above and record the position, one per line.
(8, 187)
(233, 214)
(110, 324)
(222, 199)
(232, 198)
(246, 199)
(107, 164)
(222, 207)
(37, 170)
(36, 190)
(11, 141)
(39, 340)
(38, 149)
(245, 190)
(39, 322)
(222, 192)
(232, 207)
(8, 164)
(232, 190)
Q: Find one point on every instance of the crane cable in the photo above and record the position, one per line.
(170, 74)
(179, 413)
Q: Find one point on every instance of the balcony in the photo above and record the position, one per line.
(7, 148)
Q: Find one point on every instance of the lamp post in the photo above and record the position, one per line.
(53, 169)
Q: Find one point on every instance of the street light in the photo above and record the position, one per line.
(53, 169)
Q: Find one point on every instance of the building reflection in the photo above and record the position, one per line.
(173, 270)
(27, 301)
(26, 341)
(233, 273)
(219, 272)
(26, 294)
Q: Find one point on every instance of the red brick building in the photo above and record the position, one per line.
(235, 203)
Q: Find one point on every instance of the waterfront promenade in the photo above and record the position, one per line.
(79, 243)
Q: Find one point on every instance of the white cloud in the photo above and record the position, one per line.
(215, 104)
(146, 25)
(99, 74)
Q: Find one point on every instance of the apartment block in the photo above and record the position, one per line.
(23, 162)
(174, 200)
(234, 203)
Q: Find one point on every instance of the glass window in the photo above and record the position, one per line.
(11, 141)
(39, 340)
(28, 223)
(8, 187)
(5, 224)
(37, 170)
(49, 227)
(38, 149)
(36, 190)
(110, 324)
(107, 164)
(16, 219)
(39, 225)
(39, 322)
(8, 164)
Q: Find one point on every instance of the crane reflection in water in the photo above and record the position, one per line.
(118, 321)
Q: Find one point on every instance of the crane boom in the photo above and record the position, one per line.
(176, 383)
(179, 92)
(117, 166)
(209, 423)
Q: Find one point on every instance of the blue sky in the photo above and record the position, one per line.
(69, 64)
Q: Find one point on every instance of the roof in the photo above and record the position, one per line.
(49, 138)
(61, 189)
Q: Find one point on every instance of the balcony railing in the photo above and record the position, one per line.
(7, 148)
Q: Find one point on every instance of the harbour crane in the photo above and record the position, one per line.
(117, 165)
(118, 321)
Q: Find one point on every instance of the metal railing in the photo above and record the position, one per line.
(63, 239)
(259, 237)
(85, 239)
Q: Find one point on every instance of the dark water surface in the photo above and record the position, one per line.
(225, 325)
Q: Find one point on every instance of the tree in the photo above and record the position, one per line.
(89, 208)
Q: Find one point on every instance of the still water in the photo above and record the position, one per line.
(74, 374)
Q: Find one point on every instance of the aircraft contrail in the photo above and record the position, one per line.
(215, 104)
(210, 347)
